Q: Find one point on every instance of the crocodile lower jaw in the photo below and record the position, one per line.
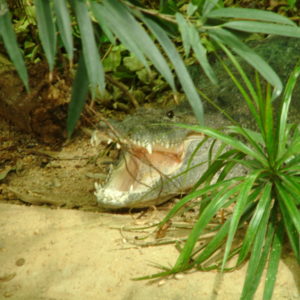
(144, 178)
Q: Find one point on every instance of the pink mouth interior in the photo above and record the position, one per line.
(139, 169)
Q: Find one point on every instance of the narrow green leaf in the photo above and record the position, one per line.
(214, 244)
(103, 25)
(222, 232)
(193, 195)
(230, 164)
(64, 25)
(46, 28)
(263, 207)
(216, 203)
(252, 98)
(274, 259)
(201, 55)
(121, 21)
(255, 136)
(252, 26)
(10, 42)
(239, 208)
(79, 94)
(92, 60)
(119, 27)
(291, 231)
(271, 145)
(249, 56)
(179, 66)
(247, 13)
(236, 144)
(208, 6)
(258, 259)
(215, 167)
(286, 100)
(290, 184)
(184, 29)
(289, 203)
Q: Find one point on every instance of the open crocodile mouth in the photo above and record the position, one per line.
(145, 174)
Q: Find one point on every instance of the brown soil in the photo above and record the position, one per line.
(55, 242)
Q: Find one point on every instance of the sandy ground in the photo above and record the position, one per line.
(56, 244)
(62, 254)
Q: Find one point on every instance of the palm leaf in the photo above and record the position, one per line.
(79, 94)
(47, 30)
(267, 28)
(91, 56)
(179, 66)
(249, 56)
(64, 25)
(248, 14)
(10, 42)
(118, 18)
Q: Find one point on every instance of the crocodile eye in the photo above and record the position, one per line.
(170, 114)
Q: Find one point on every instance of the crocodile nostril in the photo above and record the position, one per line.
(170, 114)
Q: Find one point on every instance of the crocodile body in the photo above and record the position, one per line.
(156, 163)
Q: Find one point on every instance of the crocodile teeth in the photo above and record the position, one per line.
(118, 146)
(131, 188)
(149, 148)
(109, 141)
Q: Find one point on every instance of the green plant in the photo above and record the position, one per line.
(141, 31)
(267, 198)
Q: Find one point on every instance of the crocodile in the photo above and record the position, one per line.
(160, 160)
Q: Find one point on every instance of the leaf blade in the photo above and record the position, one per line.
(10, 42)
(46, 28)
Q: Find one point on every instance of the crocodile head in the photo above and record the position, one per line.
(154, 161)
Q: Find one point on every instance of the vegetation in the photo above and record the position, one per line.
(200, 23)
(94, 35)
(266, 199)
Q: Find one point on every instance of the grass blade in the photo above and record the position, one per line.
(64, 25)
(46, 28)
(10, 42)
